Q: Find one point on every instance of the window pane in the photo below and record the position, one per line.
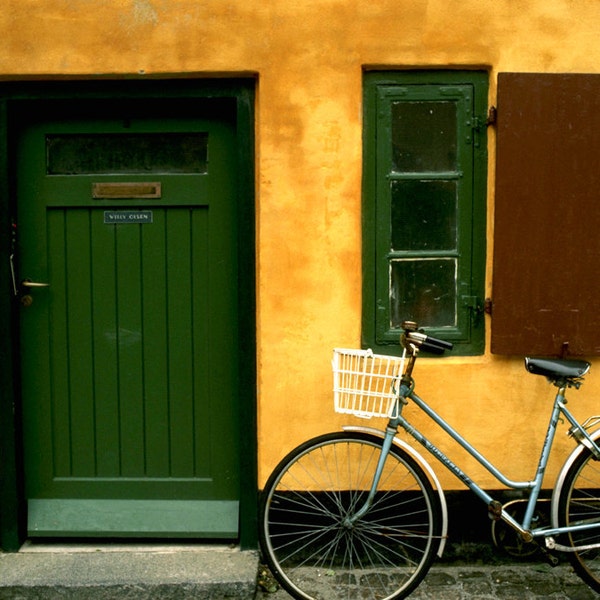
(114, 153)
(423, 291)
(424, 215)
(423, 136)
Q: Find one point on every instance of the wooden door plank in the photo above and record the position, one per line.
(106, 388)
(155, 346)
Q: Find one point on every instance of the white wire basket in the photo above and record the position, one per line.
(365, 384)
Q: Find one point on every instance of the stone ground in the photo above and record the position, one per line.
(528, 581)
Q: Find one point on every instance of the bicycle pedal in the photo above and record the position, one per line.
(550, 558)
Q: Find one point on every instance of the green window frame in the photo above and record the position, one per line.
(424, 206)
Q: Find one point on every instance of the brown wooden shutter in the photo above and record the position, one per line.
(546, 278)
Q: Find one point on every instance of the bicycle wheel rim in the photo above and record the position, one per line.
(306, 537)
(580, 503)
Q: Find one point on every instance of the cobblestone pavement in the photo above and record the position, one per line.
(531, 581)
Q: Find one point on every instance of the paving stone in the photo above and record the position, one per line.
(527, 581)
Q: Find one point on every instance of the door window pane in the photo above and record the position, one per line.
(116, 153)
(424, 136)
(423, 290)
(423, 215)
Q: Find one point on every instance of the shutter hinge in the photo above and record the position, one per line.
(478, 126)
(478, 123)
(478, 307)
(487, 306)
(474, 303)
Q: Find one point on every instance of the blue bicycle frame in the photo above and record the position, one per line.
(534, 486)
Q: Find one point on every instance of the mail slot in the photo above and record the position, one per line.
(122, 190)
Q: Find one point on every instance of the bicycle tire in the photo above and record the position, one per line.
(580, 500)
(314, 554)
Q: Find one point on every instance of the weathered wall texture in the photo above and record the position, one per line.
(308, 56)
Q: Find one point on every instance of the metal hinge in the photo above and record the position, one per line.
(474, 303)
(478, 307)
(487, 306)
(479, 123)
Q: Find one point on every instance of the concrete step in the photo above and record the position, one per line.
(140, 572)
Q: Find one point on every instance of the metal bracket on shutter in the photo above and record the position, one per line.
(487, 306)
(491, 116)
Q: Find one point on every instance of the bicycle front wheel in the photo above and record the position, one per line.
(307, 535)
(579, 504)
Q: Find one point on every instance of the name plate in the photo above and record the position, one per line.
(125, 217)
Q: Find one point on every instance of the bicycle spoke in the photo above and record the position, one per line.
(579, 504)
(313, 544)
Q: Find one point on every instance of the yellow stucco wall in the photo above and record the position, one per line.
(308, 56)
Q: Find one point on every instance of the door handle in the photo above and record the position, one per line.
(27, 283)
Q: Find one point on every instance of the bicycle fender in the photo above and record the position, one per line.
(426, 467)
(560, 480)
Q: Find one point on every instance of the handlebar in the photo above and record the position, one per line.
(422, 341)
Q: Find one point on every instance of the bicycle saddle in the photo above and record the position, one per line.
(555, 368)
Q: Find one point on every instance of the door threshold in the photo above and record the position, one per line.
(33, 547)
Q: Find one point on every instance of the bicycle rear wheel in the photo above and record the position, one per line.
(307, 540)
(579, 503)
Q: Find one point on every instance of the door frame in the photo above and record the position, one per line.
(13, 96)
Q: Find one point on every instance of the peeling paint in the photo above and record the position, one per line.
(144, 12)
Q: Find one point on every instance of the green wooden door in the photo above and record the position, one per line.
(129, 355)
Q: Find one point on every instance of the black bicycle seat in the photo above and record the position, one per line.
(555, 368)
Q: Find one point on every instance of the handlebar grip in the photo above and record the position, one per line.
(428, 343)
(436, 346)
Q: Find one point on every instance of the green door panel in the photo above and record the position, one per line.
(129, 356)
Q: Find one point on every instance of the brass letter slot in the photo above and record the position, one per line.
(126, 190)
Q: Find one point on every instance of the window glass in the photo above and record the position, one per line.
(115, 153)
(423, 136)
(425, 289)
(423, 215)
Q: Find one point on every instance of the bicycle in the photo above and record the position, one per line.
(359, 513)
